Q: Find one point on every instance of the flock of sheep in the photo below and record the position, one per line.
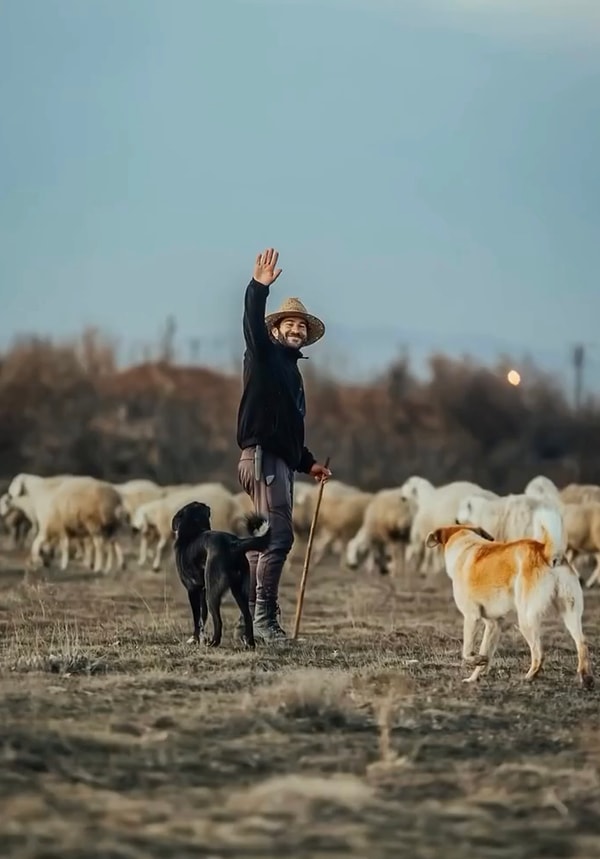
(86, 519)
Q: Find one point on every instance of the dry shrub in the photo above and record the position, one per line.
(68, 407)
(320, 694)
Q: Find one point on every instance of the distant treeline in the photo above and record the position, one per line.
(68, 408)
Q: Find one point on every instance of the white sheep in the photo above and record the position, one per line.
(134, 493)
(22, 483)
(436, 506)
(341, 514)
(510, 517)
(578, 492)
(153, 520)
(383, 534)
(543, 487)
(577, 523)
(582, 526)
(77, 507)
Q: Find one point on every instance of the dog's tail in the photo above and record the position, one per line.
(260, 534)
(549, 530)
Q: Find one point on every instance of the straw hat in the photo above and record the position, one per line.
(294, 307)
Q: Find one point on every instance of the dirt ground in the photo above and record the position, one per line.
(359, 740)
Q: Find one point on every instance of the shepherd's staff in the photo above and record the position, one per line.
(311, 535)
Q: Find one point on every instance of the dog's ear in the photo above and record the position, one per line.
(176, 521)
(483, 533)
(434, 538)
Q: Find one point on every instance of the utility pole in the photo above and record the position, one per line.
(195, 344)
(578, 356)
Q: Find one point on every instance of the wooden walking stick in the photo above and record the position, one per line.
(311, 535)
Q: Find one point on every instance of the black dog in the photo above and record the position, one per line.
(208, 562)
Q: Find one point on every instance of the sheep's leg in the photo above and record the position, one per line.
(36, 548)
(109, 556)
(88, 553)
(321, 547)
(402, 558)
(97, 541)
(162, 544)
(370, 563)
(119, 555)
(414, 556)
(595, 574)
(143, 556)
(392, 564)
(64, 551)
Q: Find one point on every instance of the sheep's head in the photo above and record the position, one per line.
(464, 514)
(414, 488)
(17, 486)
(541, 487)
(5, 504)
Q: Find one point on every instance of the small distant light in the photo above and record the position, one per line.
(513, 377)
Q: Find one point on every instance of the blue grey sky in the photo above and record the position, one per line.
(428, 169)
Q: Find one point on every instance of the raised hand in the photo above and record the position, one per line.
(264, 267)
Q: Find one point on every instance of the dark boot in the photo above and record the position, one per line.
(266, 621)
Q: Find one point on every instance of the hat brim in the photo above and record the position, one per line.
(315, 328)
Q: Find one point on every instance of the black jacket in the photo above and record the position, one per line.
(272, 407)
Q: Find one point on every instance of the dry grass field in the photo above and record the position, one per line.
(120, 740)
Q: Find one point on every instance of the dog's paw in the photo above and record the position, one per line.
(194, 639)
(212, 642)
(475, 659)
(587, 681)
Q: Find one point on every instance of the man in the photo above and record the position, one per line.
(270, 429)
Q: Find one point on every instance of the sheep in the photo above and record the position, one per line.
(134, 493)
(22, 486)
(582, 493)
(305, 499)
(543, 487)
(507, 518)
(334, 526)
(155, 517)
(568, 500)
(340, 516)
(77, 507)
(22, 483)
(582, 526)
(245, 506)
(435, 507)
(386, 525)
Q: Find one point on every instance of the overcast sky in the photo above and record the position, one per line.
(428, 168)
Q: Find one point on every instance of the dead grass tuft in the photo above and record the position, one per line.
(296, 795)
(320, 694)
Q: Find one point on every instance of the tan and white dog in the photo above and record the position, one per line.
(491, 579)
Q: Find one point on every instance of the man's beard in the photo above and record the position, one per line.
(296, 341)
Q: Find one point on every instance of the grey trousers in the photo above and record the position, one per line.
(273, 498)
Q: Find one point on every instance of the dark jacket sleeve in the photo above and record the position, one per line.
(256, 335)
(307, 460)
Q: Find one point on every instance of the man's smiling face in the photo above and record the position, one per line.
(292, 331)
